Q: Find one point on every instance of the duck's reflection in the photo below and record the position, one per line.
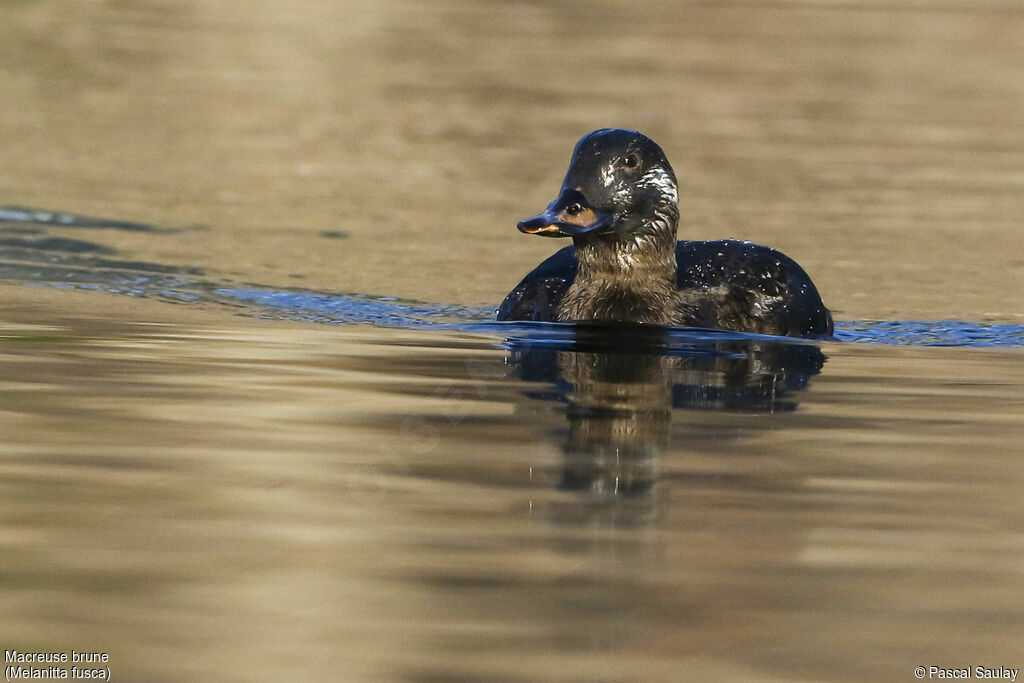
(621, 384)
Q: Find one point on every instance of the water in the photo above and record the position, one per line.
(75, 263)
(267, 500)
(259, 425)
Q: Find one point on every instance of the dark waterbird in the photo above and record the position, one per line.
(618, 203)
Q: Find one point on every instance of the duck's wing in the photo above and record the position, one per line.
(539, 293)
(752, 287)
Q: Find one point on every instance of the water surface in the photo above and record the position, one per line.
(282, 499)
(258, 423)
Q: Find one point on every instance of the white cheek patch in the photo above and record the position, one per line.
(607, 175)
(655, 177)
(660, 178)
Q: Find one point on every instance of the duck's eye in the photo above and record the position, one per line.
(574, 209)
(631, 160)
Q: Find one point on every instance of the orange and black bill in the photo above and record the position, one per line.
(568, 216)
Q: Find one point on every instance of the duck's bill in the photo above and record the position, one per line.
(565, 218)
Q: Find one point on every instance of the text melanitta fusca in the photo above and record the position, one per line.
(619, 205)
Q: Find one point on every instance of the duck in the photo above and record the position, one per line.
(619, 203)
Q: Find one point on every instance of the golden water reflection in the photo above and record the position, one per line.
(209, 496)
(296, 500)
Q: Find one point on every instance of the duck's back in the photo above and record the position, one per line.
(744, 286)
(753, 288)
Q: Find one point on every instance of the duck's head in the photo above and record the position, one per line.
(618, 181)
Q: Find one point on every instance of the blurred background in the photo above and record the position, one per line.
(222, 490)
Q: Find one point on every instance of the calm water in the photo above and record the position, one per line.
(257, 425)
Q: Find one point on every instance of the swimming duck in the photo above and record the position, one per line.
(619, 204)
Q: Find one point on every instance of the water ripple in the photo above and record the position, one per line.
(29, 256)
(930, 333)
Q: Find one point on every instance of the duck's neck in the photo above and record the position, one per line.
(628, 276)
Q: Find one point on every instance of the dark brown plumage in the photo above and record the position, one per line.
(618, 203)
